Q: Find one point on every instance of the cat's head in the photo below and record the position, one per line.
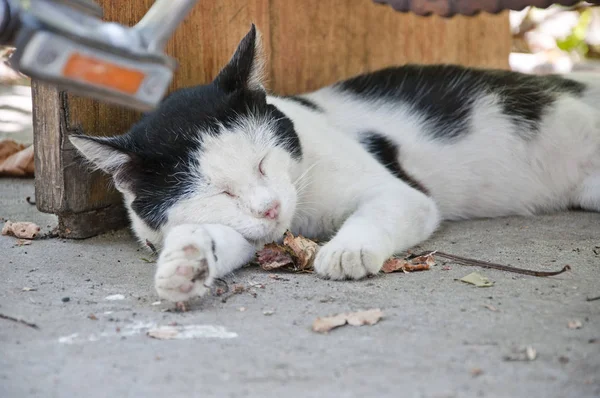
(211, 154)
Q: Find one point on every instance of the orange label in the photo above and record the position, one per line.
(101, 73)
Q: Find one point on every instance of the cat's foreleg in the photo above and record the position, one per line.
(194, 255)
(384, 223)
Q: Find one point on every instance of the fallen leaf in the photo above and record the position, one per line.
(477, 279)
(304, 249)
(29, 289)
(522, 354)
(274, 256)
(325, 324)
(574, 324)
(420, 263)
(16, 160)
(369, 317)
(22, 242)
(359, 318)
(22, 229)
(395, 264)
(296, 254)
(92, 317)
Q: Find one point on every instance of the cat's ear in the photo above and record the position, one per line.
(105, 153)
(246, 67)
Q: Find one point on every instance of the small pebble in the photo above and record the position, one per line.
(66, 299)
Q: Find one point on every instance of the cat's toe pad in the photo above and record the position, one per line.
(183, 269)
(336, 261)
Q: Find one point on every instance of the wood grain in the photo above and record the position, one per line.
(325, 41)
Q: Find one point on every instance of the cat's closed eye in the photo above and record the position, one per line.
(261, 168)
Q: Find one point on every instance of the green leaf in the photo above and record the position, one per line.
(477, 279)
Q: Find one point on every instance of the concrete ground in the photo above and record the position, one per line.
(439, 338)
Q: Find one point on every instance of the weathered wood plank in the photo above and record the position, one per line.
(49, 178)
(319, 42)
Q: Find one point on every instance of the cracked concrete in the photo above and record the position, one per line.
(439, 338)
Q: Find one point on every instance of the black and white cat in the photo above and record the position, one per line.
(373, 163)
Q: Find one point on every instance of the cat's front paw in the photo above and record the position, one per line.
(338, 261)
(185, 264)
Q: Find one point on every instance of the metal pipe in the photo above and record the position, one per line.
(161, 20)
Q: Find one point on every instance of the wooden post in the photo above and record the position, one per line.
(310, 43)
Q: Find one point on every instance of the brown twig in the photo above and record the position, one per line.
(18, 320)
(507, 268)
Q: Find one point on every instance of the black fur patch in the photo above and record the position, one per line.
(386, 153)
(306, 102)
(445, 94)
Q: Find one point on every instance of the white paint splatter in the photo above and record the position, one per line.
(114, 297)
(70, 339)
(140, 327)
(191, 332)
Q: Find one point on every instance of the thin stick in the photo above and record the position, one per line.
(10, 318)
(592, 298)
(507, 268)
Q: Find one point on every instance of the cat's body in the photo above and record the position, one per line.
(373, 163)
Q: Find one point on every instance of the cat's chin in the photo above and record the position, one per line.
(275, 234)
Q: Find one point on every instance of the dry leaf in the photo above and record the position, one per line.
(395, 264)
(23, 230)
(477, 279)
(93, 317)
(575, 324)
(421, 263)
(16, 160)
(296, 254)
(491, 307)
(304, 249)
(359, 318)
(274, 256)
(325, 324)
(22, 242)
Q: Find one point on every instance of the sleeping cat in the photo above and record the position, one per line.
(373, 163)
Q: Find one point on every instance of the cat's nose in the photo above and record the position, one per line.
(273, 210)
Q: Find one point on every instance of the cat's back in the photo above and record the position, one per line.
(483, 142)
